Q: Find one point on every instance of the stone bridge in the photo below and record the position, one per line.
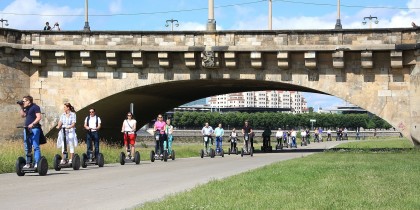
(376, 69)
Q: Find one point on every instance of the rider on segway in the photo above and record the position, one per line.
(129, 130)
(233, 139)
(92, 125)
(207, 132)
(279, 136)
(219, 132)
(67, 126)
(159, 129)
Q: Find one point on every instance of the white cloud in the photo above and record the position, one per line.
(34, 22)
(115, 6)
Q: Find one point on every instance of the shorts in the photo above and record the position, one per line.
(131, 137)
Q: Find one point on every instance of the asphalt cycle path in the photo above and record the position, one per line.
(118, 186)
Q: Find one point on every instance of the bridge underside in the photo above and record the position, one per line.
(151, 100)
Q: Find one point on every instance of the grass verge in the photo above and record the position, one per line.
(331, 180)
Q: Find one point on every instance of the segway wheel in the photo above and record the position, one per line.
(228, 151)
(84, 160)
(242, 152)
(251, 152)
(76, 162)
(42, 166)
(152, 156)
(202, 153)
(212, 153)
(236, 150)
(165, 156)
(173, 155)
(137, 157)
(20, 162)
(301, 143)
(101, 160)
(122, 158)
(56, 162)
(223, 153)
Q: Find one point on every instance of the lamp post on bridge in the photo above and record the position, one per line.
(338, 23)
(211, 22)
(270, 14)
(172, 21)
(4, 20)
(87, 27)
(370, 20)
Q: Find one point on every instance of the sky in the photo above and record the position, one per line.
(152, 15)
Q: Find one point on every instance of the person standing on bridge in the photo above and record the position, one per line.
(159, 127)
(68, 122)
(32, 113)
(92, 125)
(129, 130)
(219, 132)
(47, 27)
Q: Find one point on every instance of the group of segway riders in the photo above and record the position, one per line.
(163, 140)
(67, 139)
(208, 132)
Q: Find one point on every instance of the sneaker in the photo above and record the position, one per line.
(36, 166)
(156, 155)
(132, 158)
(161, 155)
(27, 166)
(127, 157)
(70, 161)
(62, 161)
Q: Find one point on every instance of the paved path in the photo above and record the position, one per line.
(119, 187)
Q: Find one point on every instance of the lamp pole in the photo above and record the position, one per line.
(87, 27)
(4, 20)
(270, 14)
(211, 22)
(172, 21)
(338, 23)
(370, 20)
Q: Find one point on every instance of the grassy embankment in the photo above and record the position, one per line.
(359, 178)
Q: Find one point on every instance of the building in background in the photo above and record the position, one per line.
(199, 102)
(292, 100)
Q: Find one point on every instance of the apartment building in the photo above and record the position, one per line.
(262, 99)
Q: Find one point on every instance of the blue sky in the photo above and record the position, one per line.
(151, 15)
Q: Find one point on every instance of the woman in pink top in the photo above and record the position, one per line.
(159, 128)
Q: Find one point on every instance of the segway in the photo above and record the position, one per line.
(91, 159)
(248, 150)
(153, 155)
(266, 147)
(42, 166)
(75, 162)
(129, 159)
(293, 142)
(279, 145)
(303, 142)
(166, 149)
(233, 149)
(316, 138)
(207, 151)
(221, 152)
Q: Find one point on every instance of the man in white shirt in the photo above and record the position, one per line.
(92, 125)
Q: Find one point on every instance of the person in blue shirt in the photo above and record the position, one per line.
(32, 114)
(219, 132)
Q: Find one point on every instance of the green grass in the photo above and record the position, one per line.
(331, 180)
(379, 143)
